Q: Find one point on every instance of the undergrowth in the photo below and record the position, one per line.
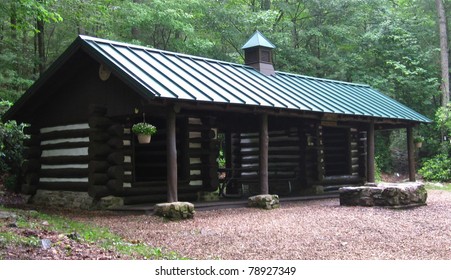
(83, 232)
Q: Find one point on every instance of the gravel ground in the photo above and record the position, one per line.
(308, 230)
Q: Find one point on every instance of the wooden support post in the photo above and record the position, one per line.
(370, 157)
(411, 154)
(171, 155)
(264, 143)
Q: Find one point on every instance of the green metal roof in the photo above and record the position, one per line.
(162, 74)
(258, 40)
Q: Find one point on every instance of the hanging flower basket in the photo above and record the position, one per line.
(144, 138)
(144, 131)
(418, 141)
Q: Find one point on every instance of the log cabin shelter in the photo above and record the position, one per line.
(245, 129)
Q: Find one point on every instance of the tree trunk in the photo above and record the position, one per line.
(265, 5)
(443, 51)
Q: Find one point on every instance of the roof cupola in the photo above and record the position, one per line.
(258, 53)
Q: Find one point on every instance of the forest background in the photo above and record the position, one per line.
(392, 45)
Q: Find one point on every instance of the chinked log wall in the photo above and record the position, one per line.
(31, 166)
(284, 159)
(110, 168)
(297, 158)
(64, 157)
(197, 152)
(203, 152)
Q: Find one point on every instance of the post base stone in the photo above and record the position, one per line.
(175, 210)
(264, 201)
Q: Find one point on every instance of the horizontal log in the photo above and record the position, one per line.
(197, 177)
(65, 134)
(116, 130)
(98, 135)
(128, 167)
(98, 166)
(115, 186)
(341, 179)
(64, 186)
(128, 178)
(154, 143)
(64, 173)
(99, 122)
(65, 160)
(98, 178)
(198, 152)
(97, 110)
(116, 172)
(98, 191)
(64, 145)
(99, 150)
(116, 143)
(116, 158)
(198, 127)
(143, 154)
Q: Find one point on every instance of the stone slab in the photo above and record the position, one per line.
(394, 195)
(175, 210)
(264, 201)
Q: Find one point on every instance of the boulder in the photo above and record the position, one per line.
(385, 194)
(175, 210)
(264, 201)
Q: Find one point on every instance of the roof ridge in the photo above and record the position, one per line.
(179, 54)
(323, 79)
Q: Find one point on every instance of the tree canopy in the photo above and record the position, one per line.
(393, 45)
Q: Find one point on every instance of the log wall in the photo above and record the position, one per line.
(110, 154)
(64, 157)
(31, 166)
(203, 151)
(285, 156)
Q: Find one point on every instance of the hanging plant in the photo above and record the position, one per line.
(144, 131)
(418, 140)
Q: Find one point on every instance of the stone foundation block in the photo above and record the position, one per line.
(385, 194)
(265, 201)
(175, 210)
(63, 199)
(110, 202)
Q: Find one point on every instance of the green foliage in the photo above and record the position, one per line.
(443, 119)
(10, 237)
(144, 128)
(11, 148)
(441, 187)
(437, 168)
(88, 233)
(418, 139)
(391, 45)
(384, 160)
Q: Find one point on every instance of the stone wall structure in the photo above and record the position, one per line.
(385, 194)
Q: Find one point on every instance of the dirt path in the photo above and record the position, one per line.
(318, 229)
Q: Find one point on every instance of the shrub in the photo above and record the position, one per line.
(437, 168)
(11, 149)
